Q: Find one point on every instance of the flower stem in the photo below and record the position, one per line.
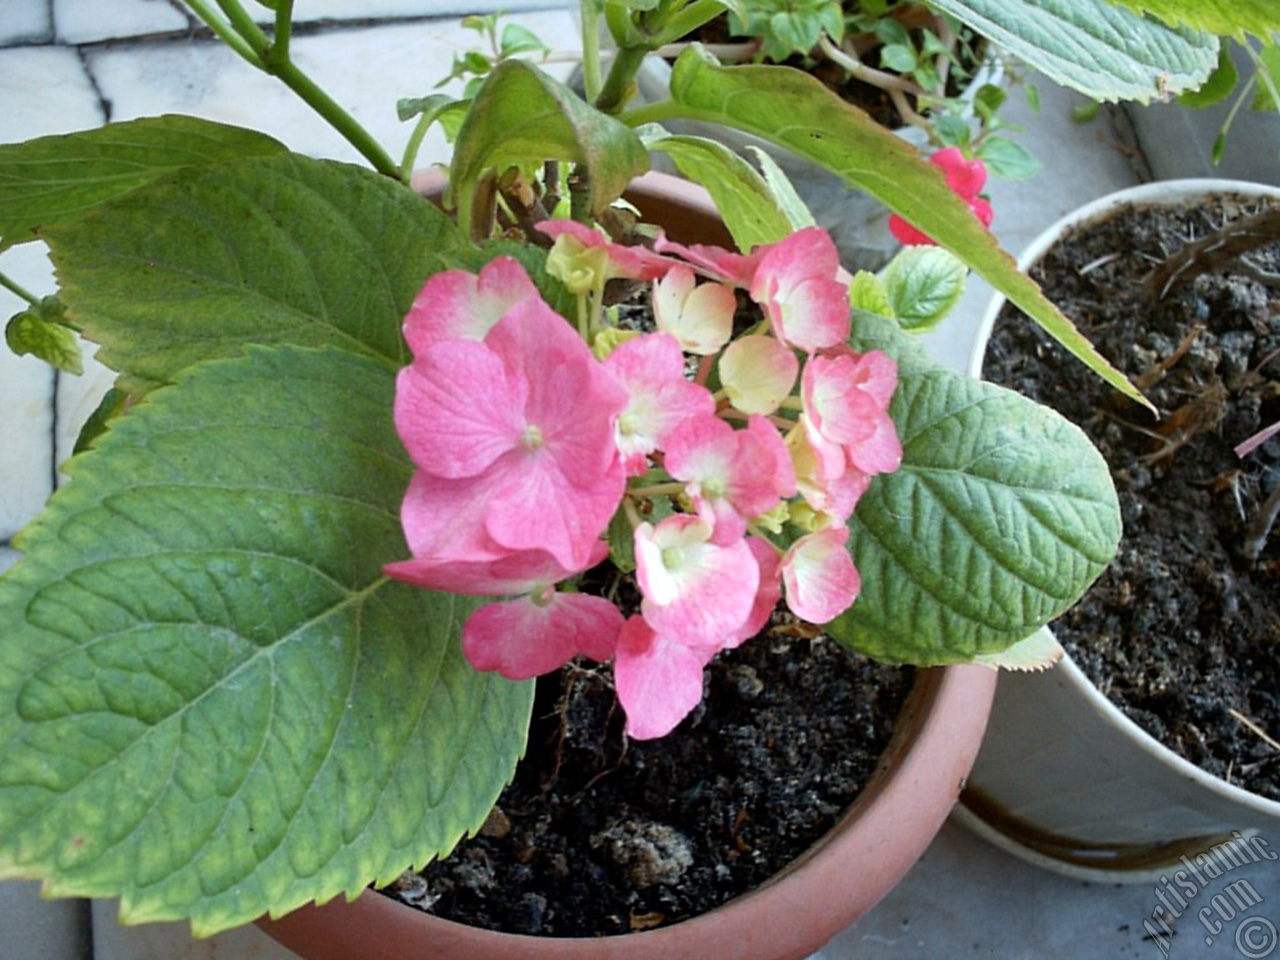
(14, 287)
(246, 38)
(657, 490)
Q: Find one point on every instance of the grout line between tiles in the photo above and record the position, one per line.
(104, 105)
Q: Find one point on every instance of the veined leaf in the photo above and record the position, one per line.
(282, 250)
(745, 200)
(1097, 47)
(521, 115)
(794, 110)
(1223, 17)
(51, 179)
(212, 701)
(999, 518)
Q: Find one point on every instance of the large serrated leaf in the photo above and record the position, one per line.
(1094, 46)
(212, 701)
(282, 250)
(50, 179)
(999, 518)
(1223, 17)
(794, 110)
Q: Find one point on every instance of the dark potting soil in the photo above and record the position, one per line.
(1183, 630)
(601, 835)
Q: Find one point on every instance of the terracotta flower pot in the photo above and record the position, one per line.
(1064, 779)
(841, 877)
(837, 881)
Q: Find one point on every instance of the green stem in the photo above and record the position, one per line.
(590, 50)
(622, 73)
(245, 26)
(278, 55)
(415, 144)
(254, 46)
(13, 286)
(657, 490)
(688, 20)
(223, 31)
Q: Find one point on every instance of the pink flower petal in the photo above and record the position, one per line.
(820, 578)
(445, 430)
(715, 263)
(455, 304)
(531, 636)
(878, 450)
(965, 177)
(695, 591)
(659, 680)
(796, 285)
(758, 373)
(526, 571)
(769, 563)
(651, 369)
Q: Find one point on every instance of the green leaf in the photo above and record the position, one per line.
(999, 518)
(521, 115)
(1223, 17)
(868, 293)
(283, 250)
(1007, 159)
(213, 703)
(1040, 651)
(1219, 85)
(793, 110)
(39, 331)
(517, 39)
(1094, 46)
(743, 197)
(52, 179)
(784, 192)
(1264, 97)
(923, 284)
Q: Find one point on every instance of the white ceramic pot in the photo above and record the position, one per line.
(858, 223)
(1064, 779)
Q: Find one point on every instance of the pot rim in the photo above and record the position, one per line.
(1156, 193)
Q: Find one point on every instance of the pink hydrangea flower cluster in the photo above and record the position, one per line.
(527, 446)
(966, 179)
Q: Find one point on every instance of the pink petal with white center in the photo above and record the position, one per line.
(769, 562)
(820, 578)
(699, 316)
(632, 262)
(455, 304)
(732, 475)
(758, 373)
(651, 369)
(796, 285)
(531, 636)
(526, 571)
(695, 591)
(878, 450)
(445, 430)
(659, 680)
(572, 399)
(558, 482)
